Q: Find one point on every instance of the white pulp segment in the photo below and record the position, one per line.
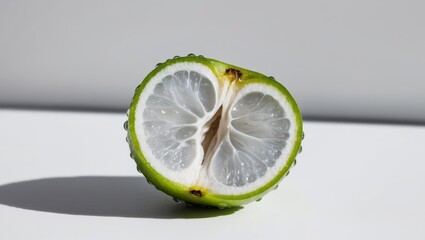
(257, 134)
(254, 138)
(171, 115)
(258, 138)
(175, 106)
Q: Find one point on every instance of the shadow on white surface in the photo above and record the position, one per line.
(100, 196)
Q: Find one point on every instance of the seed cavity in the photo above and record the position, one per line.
(210, 136)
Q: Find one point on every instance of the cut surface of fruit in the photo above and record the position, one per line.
(211, 133)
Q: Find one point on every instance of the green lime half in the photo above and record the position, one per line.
(210, 133)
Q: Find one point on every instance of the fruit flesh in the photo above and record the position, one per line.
(233, 79)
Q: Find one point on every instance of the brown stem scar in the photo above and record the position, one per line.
(233, 74)
(197, 193)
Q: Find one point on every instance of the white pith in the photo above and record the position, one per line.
(199, 172)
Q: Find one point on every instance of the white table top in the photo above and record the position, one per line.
(68, 175)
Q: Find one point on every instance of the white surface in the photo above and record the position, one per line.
(346, 59)
(352, 181)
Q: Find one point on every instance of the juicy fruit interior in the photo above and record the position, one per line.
(211, 129)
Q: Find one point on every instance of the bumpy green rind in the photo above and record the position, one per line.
(181, 192)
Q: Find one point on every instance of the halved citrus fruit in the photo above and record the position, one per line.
(210, 133)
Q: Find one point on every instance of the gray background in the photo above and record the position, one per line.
(356, 60)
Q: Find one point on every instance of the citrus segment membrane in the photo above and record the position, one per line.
(257, 134)
(198, 130)
(171, 114)
(171, 119)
